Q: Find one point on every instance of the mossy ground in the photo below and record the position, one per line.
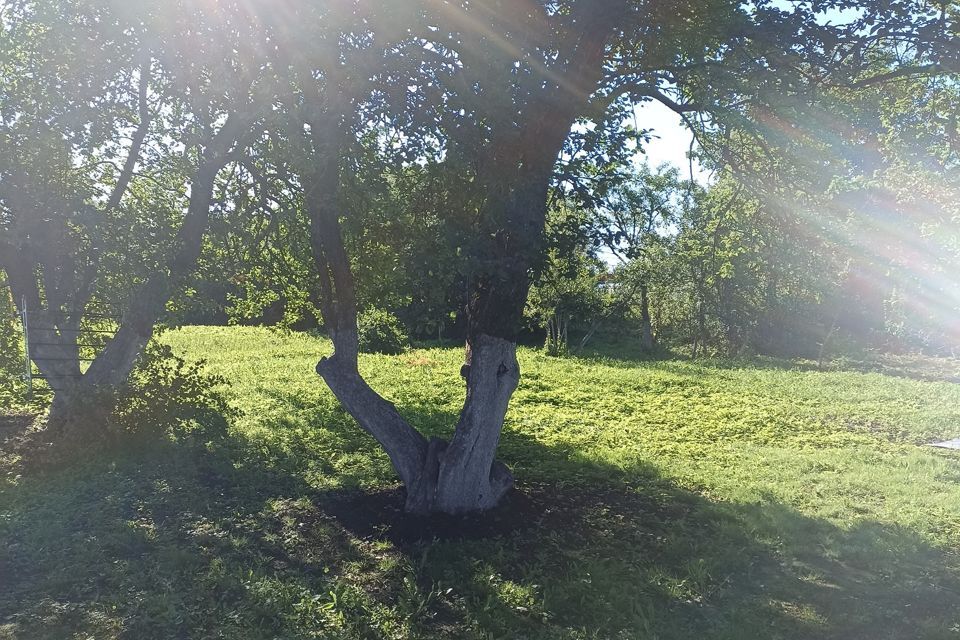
(661, 499)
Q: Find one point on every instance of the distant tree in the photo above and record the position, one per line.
(566, 288)
(634, 223)
(852, 190)
(903, 217)
(824, 157)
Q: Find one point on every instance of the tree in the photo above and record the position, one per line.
(494, 89)
(511, 81)
(115, 123)
(633, 223)
(567, 287)
(855, 174)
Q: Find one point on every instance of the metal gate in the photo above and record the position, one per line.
(84, 335)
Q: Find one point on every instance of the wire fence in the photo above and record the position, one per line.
(47, 326)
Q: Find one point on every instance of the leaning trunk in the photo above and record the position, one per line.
(463, 476)
(377, 416)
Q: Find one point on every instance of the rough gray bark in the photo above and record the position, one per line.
(404, 445)
(470, 478)
(458, 477)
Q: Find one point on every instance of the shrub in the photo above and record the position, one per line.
(169, 397)
(381, 332)
(12, 387)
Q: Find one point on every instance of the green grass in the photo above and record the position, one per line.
(676, 500)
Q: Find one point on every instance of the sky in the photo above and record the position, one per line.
(670, 139)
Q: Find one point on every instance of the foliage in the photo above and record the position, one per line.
(565, 293)
(846, 227)
(566, 290)
(435, 135)
(165, 399)
(381, 332)
(670, 499)
(168, 397)
(747, 275)
(11, 349)
(117, 120)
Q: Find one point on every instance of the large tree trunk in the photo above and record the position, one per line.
(463, 476)
(470, 478)
(515, 168)
(455, 477)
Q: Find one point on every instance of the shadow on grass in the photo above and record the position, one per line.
(14, 426)
(236, 540)
(911, 367)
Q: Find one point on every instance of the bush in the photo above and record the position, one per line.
(168, 397)
(12, 388)
(381, 332)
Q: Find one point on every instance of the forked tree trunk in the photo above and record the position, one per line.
(76, 403)
(455, 477)
(462, 475)
(77, 400)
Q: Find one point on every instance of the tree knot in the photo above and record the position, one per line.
(322, 365)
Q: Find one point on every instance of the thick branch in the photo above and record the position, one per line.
(115, 362)
(404, 445)
(642, 89)
(903, 72)
(136, 142)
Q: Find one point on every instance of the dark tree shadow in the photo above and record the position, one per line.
(14, 425)
(911, 367)
(234, 539)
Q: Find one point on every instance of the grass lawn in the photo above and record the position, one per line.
(656, 500)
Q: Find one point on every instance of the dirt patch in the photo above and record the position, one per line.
(17, 432)
(380, 515)
(27, 442)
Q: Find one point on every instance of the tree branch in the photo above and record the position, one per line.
(903, 72)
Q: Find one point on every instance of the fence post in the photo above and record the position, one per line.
(27, 367)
